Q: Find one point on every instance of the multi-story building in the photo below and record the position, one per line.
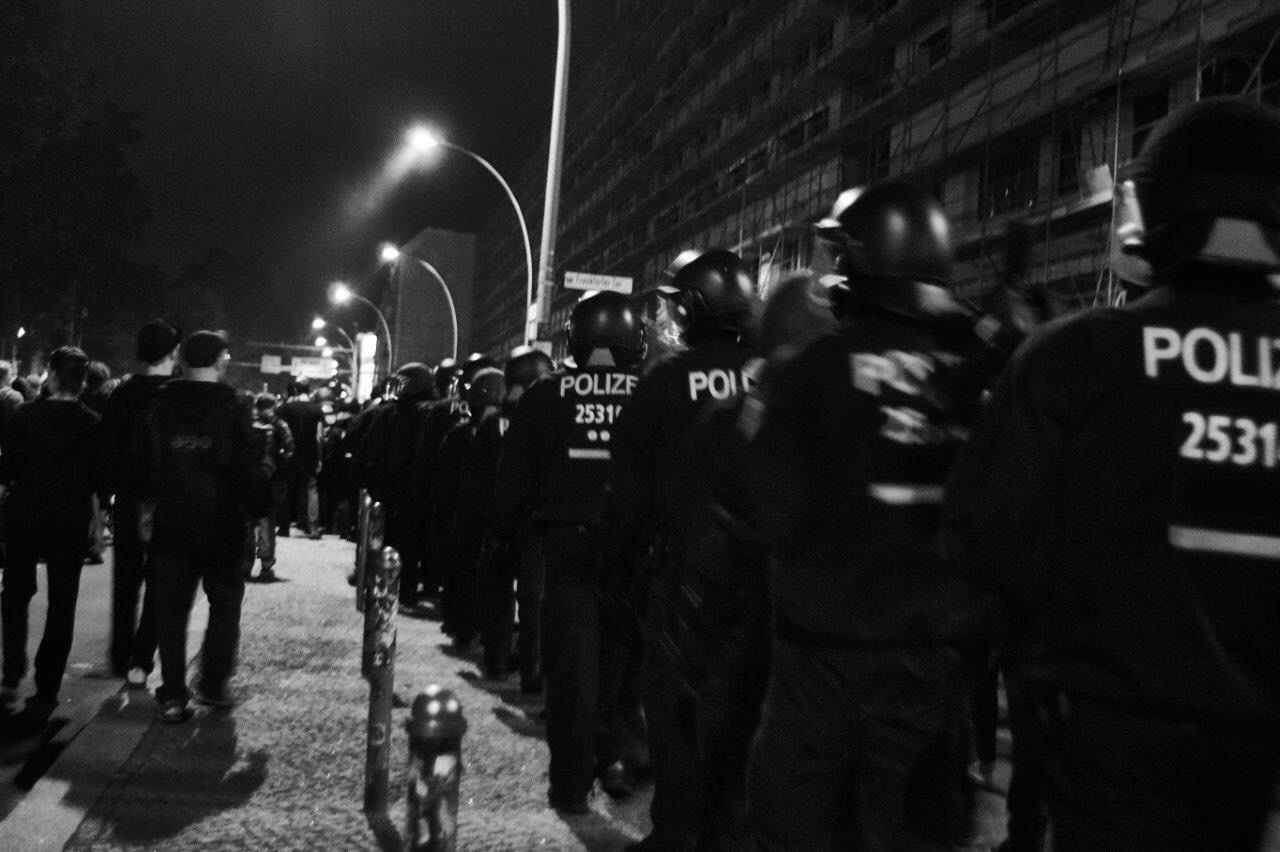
(421, 306)
(736, 122)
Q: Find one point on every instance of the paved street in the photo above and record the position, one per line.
(285, 769)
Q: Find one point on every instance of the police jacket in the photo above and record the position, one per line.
(555, 457)
(389, 454)
(849, 462)
(477, 474)
(204, 466)
(122, 424)
(660, 475)
(1122, 497)
(53, 462)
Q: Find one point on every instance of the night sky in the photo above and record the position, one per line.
(266, 124)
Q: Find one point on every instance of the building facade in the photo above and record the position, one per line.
(421, 305)
(735, 123)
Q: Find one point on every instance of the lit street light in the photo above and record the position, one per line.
(318, 323)
(327, 351)
(421, 138)
(341, 294)
(320, 341)
(390, 254)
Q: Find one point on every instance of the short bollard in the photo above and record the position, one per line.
(379, 666)
(369, 547)
(435, 731)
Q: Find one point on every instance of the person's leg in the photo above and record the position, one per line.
(496, 609)
(313, 505)
(572, 636)
(267, 546)
(127, 573)
(671, 713)
(65, 560)
(529, 590)
(293, 480)
(798, 769)
(224, 587)
(145, 640)
(1028, 820)
(97, 533)
(19, 586)
(176, 576)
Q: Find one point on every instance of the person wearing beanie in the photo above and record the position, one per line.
(52, 465)
(205, 471)
(132, 649)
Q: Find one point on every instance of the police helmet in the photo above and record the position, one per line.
(446, 373)
(486, 390)
(797, 312)
(1207, 188)
(710, 287)
(525, 365)
(413, 381)
(605, 320)
(891, 243)
(474, 364)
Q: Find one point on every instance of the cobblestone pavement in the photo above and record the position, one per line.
(285, 769)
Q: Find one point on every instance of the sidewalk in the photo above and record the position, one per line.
(285, 769)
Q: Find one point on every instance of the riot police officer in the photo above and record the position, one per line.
(869, 671)
(525, 365)
(1121, 494)
(661, 485)
(554, 465)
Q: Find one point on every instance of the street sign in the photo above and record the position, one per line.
(306, 367)
(271, 365)
(591, 281)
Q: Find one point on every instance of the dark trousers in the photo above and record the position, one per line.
(671, 712)
(64, 550)
(406, 531)
(177, 574)
(302, 499)
(1028, 820)
(496, 609)
(462, 586)
(133, 637)
(1125, 780)
(620, 729)
(856, 750)
(571, 634)
(530, 582)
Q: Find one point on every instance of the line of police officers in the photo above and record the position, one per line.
(786, 550)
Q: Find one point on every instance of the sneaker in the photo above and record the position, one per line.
(94, 559)
(266, 575)
(173, 711)
(25, 721)
(219, 696)
(615, 779)
(136, 678)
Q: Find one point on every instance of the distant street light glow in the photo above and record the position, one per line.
(320, 341)
(340, 293)
(318, 323)
(22, 332)
(389, 253)
(326, 352)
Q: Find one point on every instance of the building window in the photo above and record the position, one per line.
(791, 139)
(1068, 162)
(1009, 179)
(998, 11)
(879, 153)
(936, 46)
(885, 80)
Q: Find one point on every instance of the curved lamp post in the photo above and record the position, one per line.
(424, 140)
(320, 323)
(341, 294)
(391, 254)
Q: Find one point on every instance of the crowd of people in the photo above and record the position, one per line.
(780, 569)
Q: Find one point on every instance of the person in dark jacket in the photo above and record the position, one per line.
(305, 419)
(278, 441)
(1120, 495)
(53, 464)
(132, 651)
(206, 471)
(554, 466)
(661, 484)
(861, 743)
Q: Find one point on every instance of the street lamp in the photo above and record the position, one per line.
(341, 294)
(421, 138)
(320, 322)
(390, 254)
(320, 341)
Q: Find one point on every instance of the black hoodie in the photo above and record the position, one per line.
(53, 462)
(203, 466)
(122, 423)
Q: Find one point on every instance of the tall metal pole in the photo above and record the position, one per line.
(386, 330)
(555, 155)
